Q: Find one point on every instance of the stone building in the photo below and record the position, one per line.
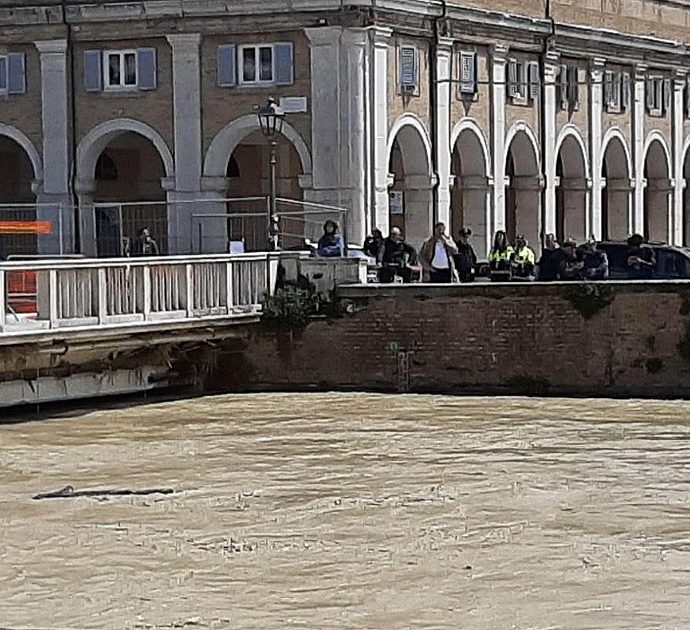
(495, 114)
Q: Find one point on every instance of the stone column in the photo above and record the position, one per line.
(498, 135)
(476, 203)
(55, 199)
(379, 123)
(596, 108)
(419, 211)
(637, 219)
(338, 115)
(186, 78)
(551, 69)
(679, 82)
(442, 131)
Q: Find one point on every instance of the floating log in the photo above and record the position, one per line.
(69, 492)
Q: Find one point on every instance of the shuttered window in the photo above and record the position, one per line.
(13, 73)
(409, 70)
(534, 80)
(468, 73)
(226, 65)
(658, 94)
(115, 70)
(616, 91)
(262, 64)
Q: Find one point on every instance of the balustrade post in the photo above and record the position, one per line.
(102, 295)
(229, 301)
(146, 291)
(53, 315)
(189, 286)
(3, 301)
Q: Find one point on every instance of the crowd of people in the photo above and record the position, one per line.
(442, 259)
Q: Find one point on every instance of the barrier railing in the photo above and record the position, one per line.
(123, 292)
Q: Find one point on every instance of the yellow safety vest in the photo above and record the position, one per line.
(498, 255)
(524, 255)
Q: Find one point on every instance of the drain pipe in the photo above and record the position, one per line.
(433, 103)
(542, 117)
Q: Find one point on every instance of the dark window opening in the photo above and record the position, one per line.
(106, 168)
(233, 168)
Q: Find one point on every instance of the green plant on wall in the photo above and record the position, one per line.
(589, 298)
(290, 307)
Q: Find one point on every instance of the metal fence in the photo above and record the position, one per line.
(30, 229)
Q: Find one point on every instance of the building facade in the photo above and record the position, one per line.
(493, 115)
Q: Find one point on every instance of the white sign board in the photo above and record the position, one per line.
(294, 104)
(396, 203)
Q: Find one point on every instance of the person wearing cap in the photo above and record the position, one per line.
(595, 263)
(523, 259)
(466, 258)
(437, 254)
(570, 267)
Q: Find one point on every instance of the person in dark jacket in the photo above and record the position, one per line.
(373, 245)
(550, 261)
(641, 259)
(595, 263)
(570, 266)
(397, 258)
(331, 244)
(146, 244)
(466, 258)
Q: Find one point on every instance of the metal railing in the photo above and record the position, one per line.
(31, 228)
(107, 293)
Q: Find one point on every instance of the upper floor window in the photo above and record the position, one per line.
(468, 73)
(658, 95)
(569, 81)
(524, 81)
(116, 70)
(120, 69)
(616, 91)
(260, 64)
(12, 74)
(257, 64)
(408, 70)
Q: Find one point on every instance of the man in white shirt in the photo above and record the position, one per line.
(436, 255)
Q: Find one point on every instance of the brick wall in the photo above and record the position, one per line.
(482, 338)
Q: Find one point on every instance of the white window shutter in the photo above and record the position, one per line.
(16, 73)
(408, 66)
(534, 80)
(468, 72)
(284, 63)
(226, 65)
(649, 87)
(573, 87)
(93, 70)
(563, 87)
(146, 69)
(608, 88)
(513, 78)
(626, 91)
(668, 95)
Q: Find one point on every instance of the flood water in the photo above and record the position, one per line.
(351, 511)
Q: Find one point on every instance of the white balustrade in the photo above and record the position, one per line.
(108, 293)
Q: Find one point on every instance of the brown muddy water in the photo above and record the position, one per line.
(351, 511)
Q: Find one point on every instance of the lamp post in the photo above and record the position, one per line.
(270, 118)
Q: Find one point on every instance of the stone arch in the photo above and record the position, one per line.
(471, 184)
(227, 139)
(523, 184)
(658, 189)
(572, 185)
(409, 165)
(686, 193)
(616, 191)
(94, 143)
(23, 141)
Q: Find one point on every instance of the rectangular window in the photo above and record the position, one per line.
(409, 69)
(523, 80)
(3, 75)
(616, 91)
(658, 95)
(256, 64)
(468, 73)
(120, 69)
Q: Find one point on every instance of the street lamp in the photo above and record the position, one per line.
(270, 118)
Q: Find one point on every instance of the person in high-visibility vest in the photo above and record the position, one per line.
(523, 258)
(499, 257)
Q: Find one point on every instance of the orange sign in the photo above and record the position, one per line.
(26, 227)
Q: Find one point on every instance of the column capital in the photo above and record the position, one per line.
(323, 35)
(354, 36)
(597, 67)
(680, 78)
(51, 46)
(445, 44)
(499, 53)
(640, 71)
(190, 41)
(380, 34)
(552, 57)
